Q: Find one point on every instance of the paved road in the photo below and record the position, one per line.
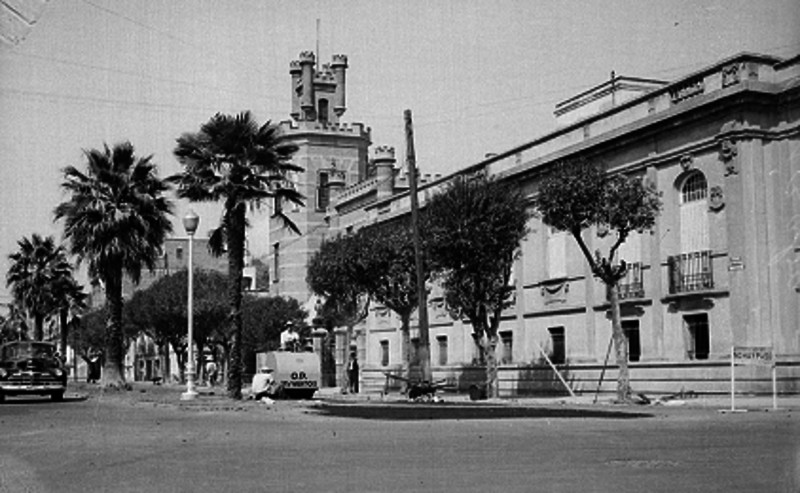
(122, 444)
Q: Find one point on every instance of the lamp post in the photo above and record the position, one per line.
(190, 222)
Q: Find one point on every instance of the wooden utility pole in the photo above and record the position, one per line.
(422, 294)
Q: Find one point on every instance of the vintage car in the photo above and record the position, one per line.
(28, 367)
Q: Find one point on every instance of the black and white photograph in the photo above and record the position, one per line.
(400, 246)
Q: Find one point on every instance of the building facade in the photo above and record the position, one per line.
(720, 268)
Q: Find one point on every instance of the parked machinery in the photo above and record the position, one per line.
(295, 375)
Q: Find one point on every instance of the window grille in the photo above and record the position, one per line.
(694, 188)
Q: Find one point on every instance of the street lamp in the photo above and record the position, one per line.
(190, 222)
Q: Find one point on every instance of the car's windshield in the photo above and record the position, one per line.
(28, 350)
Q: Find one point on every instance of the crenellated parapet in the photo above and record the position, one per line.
(356, 190)
(325, 74)
(290, 127)
(384, 153)
(307, 57)
(318, 93)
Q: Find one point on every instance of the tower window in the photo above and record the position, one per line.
(323, 192)
(179, 253)
(322, 110)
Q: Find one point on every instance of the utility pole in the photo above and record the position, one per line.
(422, 294)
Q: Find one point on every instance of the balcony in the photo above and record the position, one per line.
(632, 285)
(689, 272)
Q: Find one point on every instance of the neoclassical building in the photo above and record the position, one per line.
(721, 268)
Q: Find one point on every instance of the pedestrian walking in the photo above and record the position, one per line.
(212, 372)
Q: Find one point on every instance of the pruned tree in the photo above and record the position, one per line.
(339, 273)
(160, 311)
(88, 334)
(389, 254)
(474, 229)
(580, 195)
(265, 318)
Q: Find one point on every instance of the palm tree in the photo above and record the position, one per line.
(233, 159)
(35, 270)
(69, 300)
(116, 220)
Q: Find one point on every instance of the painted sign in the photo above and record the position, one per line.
(753, 356)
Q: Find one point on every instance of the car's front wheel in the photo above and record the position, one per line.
(57, 396)
(2, 397)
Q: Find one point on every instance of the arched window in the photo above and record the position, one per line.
(691, 269)
(694, 188)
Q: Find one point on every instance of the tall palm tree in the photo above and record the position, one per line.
(116, 220)
(234, 160)
(36, 268)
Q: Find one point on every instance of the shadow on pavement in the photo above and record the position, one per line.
(415, 411)
(41, 400)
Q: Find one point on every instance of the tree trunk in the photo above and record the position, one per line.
(38, 327)
(405, 334)
(491, 365)
(236, 237)
(63, 314)
(113, 367)
(163, 351)
(620, 347)
(180, 358)
(345, 376)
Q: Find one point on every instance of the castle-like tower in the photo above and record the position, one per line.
(333, 155)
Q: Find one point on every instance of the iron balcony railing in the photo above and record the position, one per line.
(690, 272)
(632, 285)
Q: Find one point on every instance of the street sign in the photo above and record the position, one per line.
(753, 356)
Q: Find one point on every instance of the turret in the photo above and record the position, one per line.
(307, 100)
(297, 87)
(384, 170)
(339, 67)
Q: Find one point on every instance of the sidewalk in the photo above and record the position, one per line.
(718, 402)
(216, 398)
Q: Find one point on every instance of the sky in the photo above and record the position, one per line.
(478, 76)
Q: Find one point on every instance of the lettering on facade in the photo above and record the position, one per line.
(753, 356)
(688, 90)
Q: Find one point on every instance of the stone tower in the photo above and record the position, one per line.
(333, 155)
